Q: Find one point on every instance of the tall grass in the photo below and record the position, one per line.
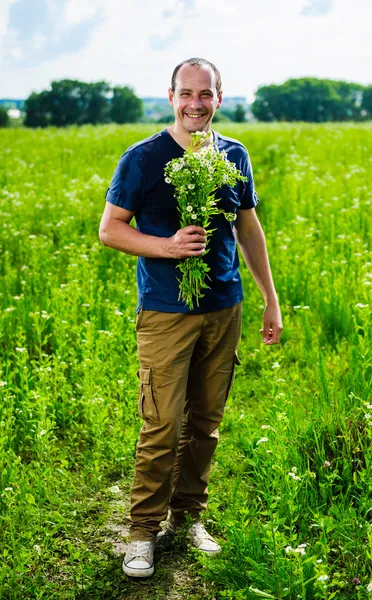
(294, 462)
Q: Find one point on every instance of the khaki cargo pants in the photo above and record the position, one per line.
(187, 367)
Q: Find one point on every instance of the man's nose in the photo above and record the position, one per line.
(196, 102)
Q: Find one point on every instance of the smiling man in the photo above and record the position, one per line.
(187, 357)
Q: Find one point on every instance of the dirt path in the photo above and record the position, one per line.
(176, 570)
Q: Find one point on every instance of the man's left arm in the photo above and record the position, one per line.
(251, 240)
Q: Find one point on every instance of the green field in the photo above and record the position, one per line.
(293, 466)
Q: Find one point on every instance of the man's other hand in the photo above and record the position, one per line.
(273, 325)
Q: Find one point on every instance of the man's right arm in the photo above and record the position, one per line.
(115, 232)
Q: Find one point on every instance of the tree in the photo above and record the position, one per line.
(239, 114)
(126, 107)
(367, 102)
(4, 118)
(309, 99)
(37, 110)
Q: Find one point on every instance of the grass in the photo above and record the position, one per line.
(293, 465)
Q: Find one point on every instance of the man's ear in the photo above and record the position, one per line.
(219, 96)
(170, 96)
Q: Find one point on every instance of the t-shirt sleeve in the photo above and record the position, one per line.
(126, 188)
(249, 197)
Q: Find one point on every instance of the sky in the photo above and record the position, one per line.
(139, 42)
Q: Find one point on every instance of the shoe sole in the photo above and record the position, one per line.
(138, 572)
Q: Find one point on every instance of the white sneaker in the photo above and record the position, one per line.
(201, 539)
(139, 559)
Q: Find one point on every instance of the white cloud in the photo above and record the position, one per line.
(252, 43)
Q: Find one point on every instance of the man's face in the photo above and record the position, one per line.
(195, 98)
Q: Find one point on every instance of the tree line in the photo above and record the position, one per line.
(313, 100)
(71, 102)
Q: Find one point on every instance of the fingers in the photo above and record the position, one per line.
(195, 229)
(271, 335)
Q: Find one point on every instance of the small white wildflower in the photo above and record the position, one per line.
(8, 489)
(367, 416)
(37, 549)
(319, 560)
(203, 209)
(275, 365)
(191, 186)
(265, 426)
(369, 405)
(10, 309)
(288, 549)
(21, 350)
(193, 216)
(360, 305)
(117, 312)
(114, 489)
(369, 587)
(189, 208)
(262, 440)
(326, 463)
(42, 432)
(2, 384)
(168, 180)
(294, 469)
(322, 577)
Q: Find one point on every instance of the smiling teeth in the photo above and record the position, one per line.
(195, 116)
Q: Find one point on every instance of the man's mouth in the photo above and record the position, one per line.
(194, 115)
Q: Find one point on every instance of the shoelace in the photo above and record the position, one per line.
(200, 532)
(141, 550)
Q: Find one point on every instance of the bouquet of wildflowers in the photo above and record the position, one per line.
(196, 177)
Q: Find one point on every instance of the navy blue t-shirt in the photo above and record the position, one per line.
(138, 185)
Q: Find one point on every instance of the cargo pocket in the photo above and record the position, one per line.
(146, 404)
(236, 361)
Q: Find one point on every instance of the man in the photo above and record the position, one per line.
(187, 358)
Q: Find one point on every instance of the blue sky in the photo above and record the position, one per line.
(138, 42)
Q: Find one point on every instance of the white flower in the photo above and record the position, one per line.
(2, 383)
(295, 477)
(369, 587)
(117, 312)
(177, 167)
(360, 305)
(191, 186)
(322, 577)
(367, 416)
(203, 209)
(8, 489)
(189, 208)
(319, 560)
(294, 469)
(168, 180)
(37, 549)
(265, 426)
(21, 349)
(275, 365)
(288, 549)
(262, 440)
(193, 216)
